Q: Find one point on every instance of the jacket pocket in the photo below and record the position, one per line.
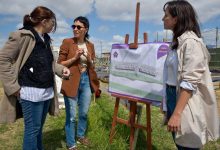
(193, 127)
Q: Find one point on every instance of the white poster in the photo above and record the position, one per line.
(138, 72)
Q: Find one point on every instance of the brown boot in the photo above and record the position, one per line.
(84, 141)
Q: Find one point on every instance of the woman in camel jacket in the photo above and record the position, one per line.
(27, 71)
(13, 56)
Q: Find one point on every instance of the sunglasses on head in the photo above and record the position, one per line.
(77, 26)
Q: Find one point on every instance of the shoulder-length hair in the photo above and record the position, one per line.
(186, 19)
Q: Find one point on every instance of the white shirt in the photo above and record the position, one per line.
(171, 65)
(34, 94)
(170, 75)
(171, 69)
(83, 59)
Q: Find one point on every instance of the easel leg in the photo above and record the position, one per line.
(114, 121)
(148, 115)
(133, 108)
(138, 121)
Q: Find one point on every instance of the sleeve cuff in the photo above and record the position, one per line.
(187, 85)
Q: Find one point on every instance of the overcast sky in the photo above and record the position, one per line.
(109, 20)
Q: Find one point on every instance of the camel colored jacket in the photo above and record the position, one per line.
(67, 51)
(199, 119)
(13, 56)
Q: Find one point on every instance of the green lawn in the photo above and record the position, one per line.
(100, 118)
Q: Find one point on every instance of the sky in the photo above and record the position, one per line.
(110, 20)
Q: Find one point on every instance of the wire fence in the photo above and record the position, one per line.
(211, 37)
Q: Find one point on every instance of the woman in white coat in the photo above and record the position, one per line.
(190, 99)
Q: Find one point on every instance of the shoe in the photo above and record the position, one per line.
(84, 141)
(73, 148)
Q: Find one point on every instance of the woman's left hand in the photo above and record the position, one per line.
(174, 123)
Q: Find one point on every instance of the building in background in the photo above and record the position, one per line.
(102, 66)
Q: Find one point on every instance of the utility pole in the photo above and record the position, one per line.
(157, 36)
(216, 37)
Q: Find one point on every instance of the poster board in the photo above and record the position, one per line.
(138, 72)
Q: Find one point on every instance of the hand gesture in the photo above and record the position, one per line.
(88, 57)
(79, 52)
(66, 73)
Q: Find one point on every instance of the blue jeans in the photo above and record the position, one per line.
(171, 104)
(82, 100)
(171, 100)
(34, 117)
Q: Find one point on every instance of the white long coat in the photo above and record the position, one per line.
(199, 120)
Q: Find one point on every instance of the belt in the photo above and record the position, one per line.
(170, 86)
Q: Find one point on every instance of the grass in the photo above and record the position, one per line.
(99, 125)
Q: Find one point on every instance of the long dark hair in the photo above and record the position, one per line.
(186, 19)
(85, 22)
(37, 15)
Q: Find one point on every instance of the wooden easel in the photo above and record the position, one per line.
(131, 122)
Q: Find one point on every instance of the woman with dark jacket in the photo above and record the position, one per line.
(27, 71)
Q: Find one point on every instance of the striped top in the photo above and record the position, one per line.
(34, 94)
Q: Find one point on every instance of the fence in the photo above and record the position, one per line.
(215, 59)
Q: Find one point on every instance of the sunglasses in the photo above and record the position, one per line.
(77, 26)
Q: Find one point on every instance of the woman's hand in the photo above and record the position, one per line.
(79, 52)
(174, 123)
(66, 73)
(17, 93)
(88, 57)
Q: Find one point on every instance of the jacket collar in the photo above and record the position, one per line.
(88, 43)
(26, 32)
(188, 35)
(30, 30)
